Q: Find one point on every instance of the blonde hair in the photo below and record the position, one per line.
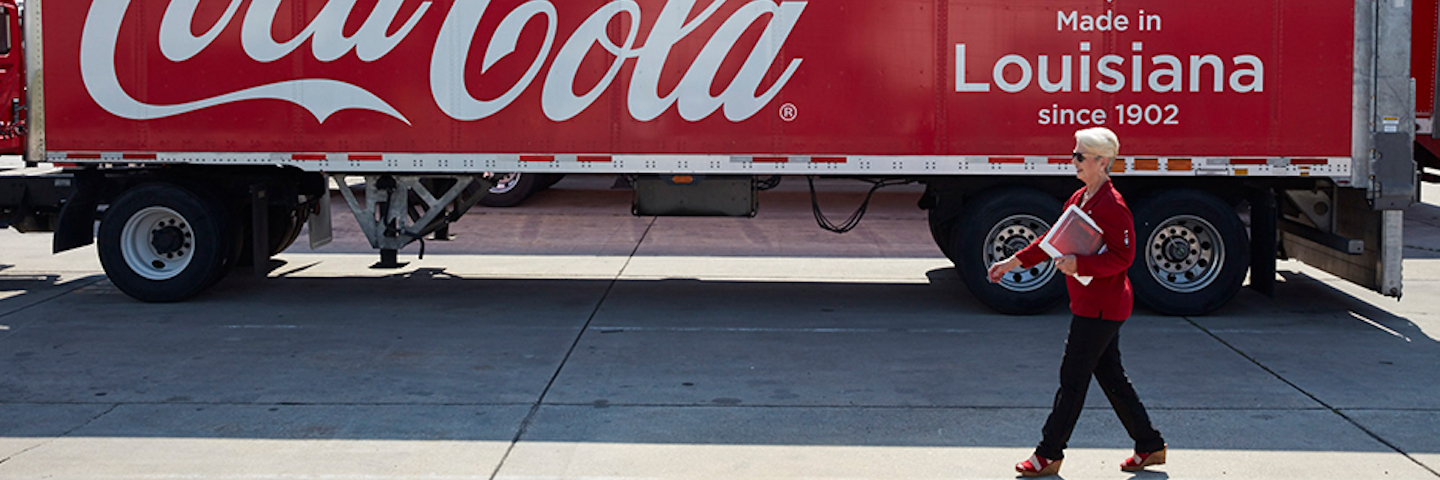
(1099, 140)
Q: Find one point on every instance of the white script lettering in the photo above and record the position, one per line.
(739, 99)
(321, 97)
(692, 97)
(330, 42)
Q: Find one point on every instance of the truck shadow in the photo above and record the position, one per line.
(1422, 231)
(20, 290)
(429, 354)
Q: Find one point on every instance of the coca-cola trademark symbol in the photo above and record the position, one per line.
(788, 112)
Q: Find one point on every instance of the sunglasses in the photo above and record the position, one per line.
(1079, 157)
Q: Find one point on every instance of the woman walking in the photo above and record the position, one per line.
(1100, 308)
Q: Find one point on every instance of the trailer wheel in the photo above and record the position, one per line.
(943, 211)
(512, 188)
(1194, 255)
(284, 228)
(941, 226)
(994, 227)
(294, 222)
(550, 179)
(162, 243)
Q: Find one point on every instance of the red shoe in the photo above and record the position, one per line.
(1142, 460)
(1038, 466)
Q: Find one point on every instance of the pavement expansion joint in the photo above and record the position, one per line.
(62, 435)
(539, 401)
(1316, 399)
(1390, 409)
(1428, 249)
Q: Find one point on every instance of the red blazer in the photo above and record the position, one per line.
(1109, 295)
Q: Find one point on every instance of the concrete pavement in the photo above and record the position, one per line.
(684, 348)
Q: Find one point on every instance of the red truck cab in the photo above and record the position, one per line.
(12, 80)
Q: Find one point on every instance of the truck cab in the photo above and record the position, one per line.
(12, 80)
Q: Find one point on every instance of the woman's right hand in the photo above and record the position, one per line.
(998, 270)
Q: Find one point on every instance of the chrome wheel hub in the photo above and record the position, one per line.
(1185, 253)
(505, 182)
(1009, 236)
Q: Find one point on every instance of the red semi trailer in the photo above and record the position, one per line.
(1424, 64)
(1250, 130)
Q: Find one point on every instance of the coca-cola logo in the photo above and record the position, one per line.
(449, 65)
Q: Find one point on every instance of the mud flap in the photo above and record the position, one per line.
(1381, 232)
(1264, 242)
(321, 232)
(76, 226)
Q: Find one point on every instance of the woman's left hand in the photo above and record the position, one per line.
(1067, 265)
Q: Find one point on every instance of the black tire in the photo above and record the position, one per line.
(511, 189)
(994, 226)
(767, 182)
(1191, 254)
(940, 229)
(294, 222)
(942, 218)
(550, 179)
(162, 243)
(284, 228)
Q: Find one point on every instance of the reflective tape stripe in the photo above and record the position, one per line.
(911, 165)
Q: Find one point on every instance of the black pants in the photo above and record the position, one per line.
(1093, 348)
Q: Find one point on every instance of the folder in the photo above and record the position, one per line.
(1075, 233)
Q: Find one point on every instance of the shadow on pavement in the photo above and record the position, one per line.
(21, 290)
(1422, 231)
(429, 354)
